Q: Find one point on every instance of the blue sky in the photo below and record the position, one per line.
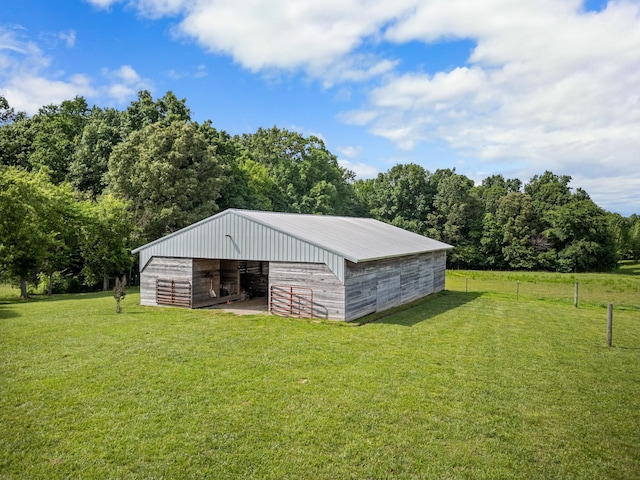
(498, 86)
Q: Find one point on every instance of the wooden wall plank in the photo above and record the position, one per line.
(381, 284)
(361, 289)
(169, 268)
(328, 292)
(439, 270)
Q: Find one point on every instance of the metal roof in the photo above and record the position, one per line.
(356, 239)
(289, 237)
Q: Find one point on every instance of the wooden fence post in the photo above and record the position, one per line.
(609, 325)
(575, 296)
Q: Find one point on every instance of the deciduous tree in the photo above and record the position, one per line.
(170, 175)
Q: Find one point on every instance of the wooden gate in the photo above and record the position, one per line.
(291, 301)
(170, 292)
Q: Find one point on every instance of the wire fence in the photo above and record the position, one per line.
(592, 289)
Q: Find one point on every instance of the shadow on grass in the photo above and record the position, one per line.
(7, 313)
(629, 268)
(64, 296)
(422, 309)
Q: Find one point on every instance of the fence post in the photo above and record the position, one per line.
(575, 296)
(609, 324)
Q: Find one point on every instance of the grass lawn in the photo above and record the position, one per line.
(468, 383)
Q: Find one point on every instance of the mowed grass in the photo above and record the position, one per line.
(458, 385)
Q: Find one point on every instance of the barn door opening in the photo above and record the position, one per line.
(229, 279)
(254, 279)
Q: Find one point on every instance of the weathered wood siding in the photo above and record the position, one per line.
(328, 292)
(389, 287)
(206, 273)
(426, 274)
(369, 286)
(439, 269)
(381, 284)
(166, 268)
(410, 272)
(361, 284)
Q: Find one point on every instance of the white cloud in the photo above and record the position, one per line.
(22, 80)
(348, 159)
(547, 84)
(319, 38)
(103, 3)
(28, 93)
(362, 170)
(68, 37)
(28, 81)
(287, 34)
(349, 151)
(124, 83)
(159, 8)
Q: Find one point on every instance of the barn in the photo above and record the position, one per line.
(319, 266)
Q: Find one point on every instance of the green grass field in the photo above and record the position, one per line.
(468, 383)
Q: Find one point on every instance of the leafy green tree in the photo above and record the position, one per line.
(306, 176)
(16, 143)
(634, 237)
(517, 216)
(23, 243)
(456, 217)
(64, 220)
(548, 191)
(56, 133)
(581, 233)
(8, 114)
(170, 175)
(247, 183)
(401, 196)
(90, 159)
(491, 255)
(107, 237)
(38, 225)
(493, 188)
(145, 110)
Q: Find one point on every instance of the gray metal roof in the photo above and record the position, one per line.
(288, 237)
(356, 239)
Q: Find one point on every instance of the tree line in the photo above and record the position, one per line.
(81, 186)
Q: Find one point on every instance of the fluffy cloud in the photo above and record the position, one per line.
(21, 79)
(124, 83)
(547, 86)
(28, 83)
(287, 34)
(320, 38)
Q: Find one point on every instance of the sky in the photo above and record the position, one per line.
(488, 87)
